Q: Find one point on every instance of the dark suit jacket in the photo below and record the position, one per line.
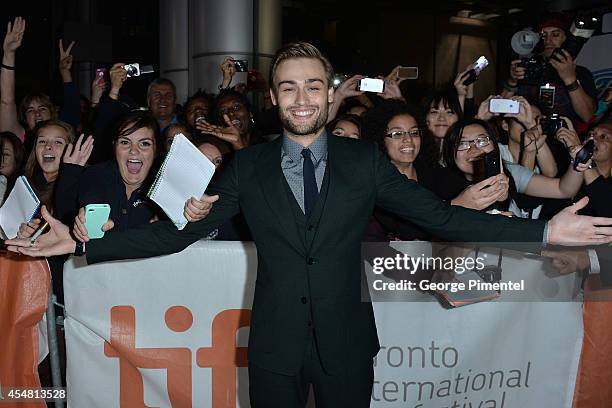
(309, 270)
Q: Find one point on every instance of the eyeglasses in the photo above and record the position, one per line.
(399, 134)
(479, 142)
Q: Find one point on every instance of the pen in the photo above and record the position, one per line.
(39, 232)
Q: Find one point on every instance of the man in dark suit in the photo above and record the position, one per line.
(307, 198)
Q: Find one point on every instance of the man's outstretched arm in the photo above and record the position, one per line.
(409, 200)
(159, 238)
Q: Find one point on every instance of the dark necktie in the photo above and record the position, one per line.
(311, 192)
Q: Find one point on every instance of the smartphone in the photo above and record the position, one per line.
(498, 105)
(480, 64)
(96, 215)
(371, 85)
(585, 154)
(101, 74)
(475, 69)
(241, 65)
(491, 164)
(408, 73)
(547, 96)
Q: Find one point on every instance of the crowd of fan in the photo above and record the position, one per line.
(439, 144)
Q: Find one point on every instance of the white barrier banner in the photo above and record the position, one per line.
(173, 331)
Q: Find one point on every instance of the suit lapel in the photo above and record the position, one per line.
(272, 182)
(340, 175)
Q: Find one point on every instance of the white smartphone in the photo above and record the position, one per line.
(503, 106)
(371, 85)
(480, 64)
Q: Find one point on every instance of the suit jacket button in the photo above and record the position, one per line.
(310, 227)
(304, 300)
(311, 261)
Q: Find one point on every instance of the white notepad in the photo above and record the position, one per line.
(185, 173)
(20, 207)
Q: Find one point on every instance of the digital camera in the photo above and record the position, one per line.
(551, 124)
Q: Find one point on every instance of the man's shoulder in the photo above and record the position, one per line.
(353, 146)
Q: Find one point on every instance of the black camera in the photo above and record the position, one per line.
(241, 65)
(535, 68)
(551, 124)
(581, 30)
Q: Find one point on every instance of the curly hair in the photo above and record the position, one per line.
(375, 120)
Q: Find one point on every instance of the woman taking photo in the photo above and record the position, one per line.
(469, 141)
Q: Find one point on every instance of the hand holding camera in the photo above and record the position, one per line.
(517, 72)
(564, 64)
(118, 75)
(483, 110)
(567, 135)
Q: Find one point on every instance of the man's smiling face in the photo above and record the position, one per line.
(302, 94)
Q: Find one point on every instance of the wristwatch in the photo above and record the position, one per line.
(573, 86)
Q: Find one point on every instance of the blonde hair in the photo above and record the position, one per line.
(40, 97)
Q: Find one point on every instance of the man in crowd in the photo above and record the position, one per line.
(307, 197)
(574, 89)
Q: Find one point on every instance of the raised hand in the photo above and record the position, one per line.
(570, 229)
(196, 210)
(14, 35)
(229, 133)
(483, 109)
(568, 136)
(118, 75)
(65, 61)
(565, 66)
(55, 242)
(98, 86)
(481, 195)
(228, 69)
(516, 73)
(79, 230)
(80, 152)
(525, 115)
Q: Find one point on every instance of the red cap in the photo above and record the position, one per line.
(556, 20)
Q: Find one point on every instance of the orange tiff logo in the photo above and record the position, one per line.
(223, 356)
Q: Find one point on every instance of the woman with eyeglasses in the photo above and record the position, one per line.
(395, 127)
(469, 142)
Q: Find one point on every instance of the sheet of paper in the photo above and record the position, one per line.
(19, 207)
(185, 173)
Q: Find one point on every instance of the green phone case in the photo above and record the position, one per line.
(96, 216)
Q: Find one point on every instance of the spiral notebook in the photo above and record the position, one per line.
(20, 206)
(185, 173)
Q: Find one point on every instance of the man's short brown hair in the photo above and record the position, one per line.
(300, 49)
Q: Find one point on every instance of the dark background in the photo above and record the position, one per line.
(369, 38)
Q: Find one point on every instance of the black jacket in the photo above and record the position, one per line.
(309, 270)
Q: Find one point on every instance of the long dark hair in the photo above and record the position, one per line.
(375, 120)
(433, 146)
(454, 135)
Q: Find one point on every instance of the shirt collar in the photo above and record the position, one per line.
(318, 148)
